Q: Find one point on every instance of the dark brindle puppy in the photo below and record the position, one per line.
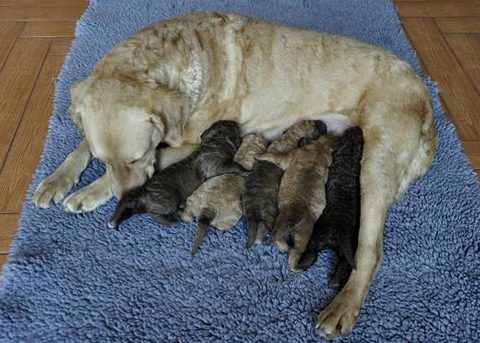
(163, 194)
(337, 227)
(259, 198)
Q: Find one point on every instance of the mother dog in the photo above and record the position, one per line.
(172, 80)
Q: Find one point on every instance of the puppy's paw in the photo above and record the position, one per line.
(51, 190)
(84, 200)
(269, 157)
(338, 318)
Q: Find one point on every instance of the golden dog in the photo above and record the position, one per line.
(172, 80)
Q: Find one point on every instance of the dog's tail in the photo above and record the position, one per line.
(336, 123)
(204, 221)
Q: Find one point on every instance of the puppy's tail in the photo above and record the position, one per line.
(203, 222)
(252, 220)
(336, 123)
(347, 249)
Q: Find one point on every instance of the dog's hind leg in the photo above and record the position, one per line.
(386, 160)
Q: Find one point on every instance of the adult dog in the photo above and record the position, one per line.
(172, 80)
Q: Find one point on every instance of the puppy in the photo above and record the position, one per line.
(338, 226)
(301, 196)
(217, 201)
(162, 195)
(259, 198)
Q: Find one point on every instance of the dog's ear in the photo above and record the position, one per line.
(171, 111)
(77, 92)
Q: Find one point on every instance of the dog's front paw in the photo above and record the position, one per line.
(52, 189)
(338, 318)
(84, 200)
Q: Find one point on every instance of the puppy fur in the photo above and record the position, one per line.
(162, 195)
(301, 196)
(337, 228)
(217, 201)
(259, 197)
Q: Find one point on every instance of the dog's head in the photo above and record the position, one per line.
(124, 122)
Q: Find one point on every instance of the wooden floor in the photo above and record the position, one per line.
(36, 34)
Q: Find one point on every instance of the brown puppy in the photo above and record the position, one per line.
(217, 201)
(259, 197)
(301, 197)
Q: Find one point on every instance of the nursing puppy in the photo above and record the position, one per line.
(301, 196)
(217, 201)
(162, 195)
(337, 228)
(260, 193)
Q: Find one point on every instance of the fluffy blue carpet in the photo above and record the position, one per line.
(70, 279)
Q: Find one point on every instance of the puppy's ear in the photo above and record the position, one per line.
(77, 92)
(171, 110)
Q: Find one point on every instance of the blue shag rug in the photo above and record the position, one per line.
(70, 279)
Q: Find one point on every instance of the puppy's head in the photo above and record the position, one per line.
(124, 122)
(222, 131)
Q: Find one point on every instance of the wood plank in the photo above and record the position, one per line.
(49, 29)
(458, 94)
(28, 144)
(3, 259)
(60, 46)
(467, 49)
(30, 13)
(8, 228)
(42, 2)
(9, 32)
(16, 83)
(472, 148)
(459, 25)
(439, 9)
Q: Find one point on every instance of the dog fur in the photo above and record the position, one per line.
(168, 189)
(259, 197)
(301, 196)
(172, 80)
(337, 227)
(217, 201)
